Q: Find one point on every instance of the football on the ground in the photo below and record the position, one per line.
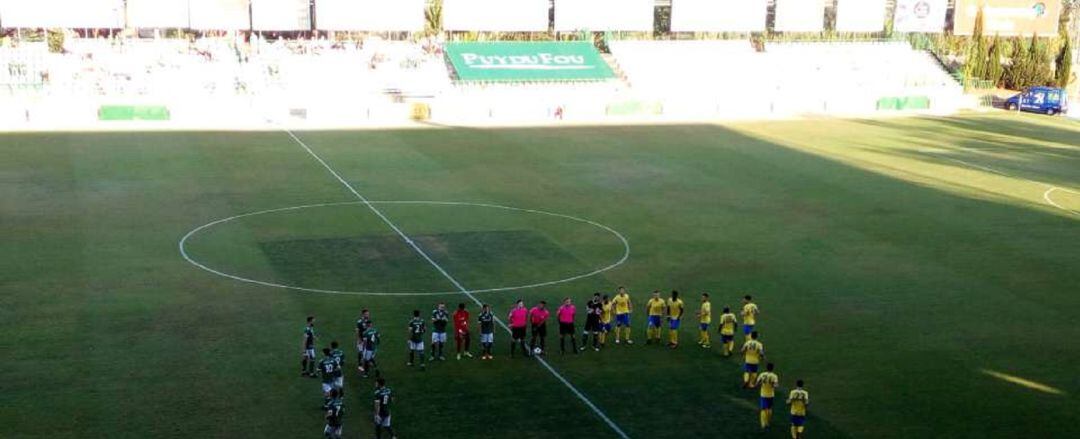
(537, 351)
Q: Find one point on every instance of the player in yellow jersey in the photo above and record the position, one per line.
(768, 381)
(655, 307)
(607, 311)
(728, 323)
(623, 307)
(749, 315)
(675, 308)
(753, 352)
(798, 399)
(704, 319)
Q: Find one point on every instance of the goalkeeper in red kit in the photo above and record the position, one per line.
(461, 331)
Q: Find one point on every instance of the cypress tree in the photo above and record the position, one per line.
(1064, 63)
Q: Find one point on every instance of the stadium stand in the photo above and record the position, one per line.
(348, 81)
(731, 77)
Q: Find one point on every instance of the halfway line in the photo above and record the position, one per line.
(454, 281)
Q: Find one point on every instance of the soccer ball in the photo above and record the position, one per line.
(537, 351)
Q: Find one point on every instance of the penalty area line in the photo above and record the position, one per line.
(419, 251)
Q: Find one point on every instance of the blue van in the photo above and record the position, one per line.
(1045, 100)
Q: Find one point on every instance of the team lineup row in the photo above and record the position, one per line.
(603, 316)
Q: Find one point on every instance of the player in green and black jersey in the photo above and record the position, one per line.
(371, 341)
(328, 370)
(307, 349)
(487, 332)
(334, 415)
(383, 399)
(362, 324)
(339, 376)
(417, 329)
(439, 320)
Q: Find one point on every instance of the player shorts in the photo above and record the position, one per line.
(309, 353)
(438, 337)
(752, 368)
(339, 382)
(360, 347)
(566, 328)
(487, 338)
(461, 335)
(592, 324)
(327, 387)
(747, 329)
(367, 355)
(416, 345)
(332, 431)
(673, 324)
(539, 330)
(382, 421)
(517, 332)
(798, 420)
(704, 326)
(605, 327)
(622, 319)
(765, 402)
(727, 338)
(654, 321)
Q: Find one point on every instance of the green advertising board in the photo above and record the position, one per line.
(527, 61)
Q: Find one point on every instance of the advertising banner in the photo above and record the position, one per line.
(219, 14)
(1008, 17)
(604, 15)
(157, 13)
(920, 16)
(98, 14)
(800, 16)
(369, 15)
(523, 61)
(496, 15)
(718, 15)
(860, 15)
(281, 15)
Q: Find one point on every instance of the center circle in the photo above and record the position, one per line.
(186, 253)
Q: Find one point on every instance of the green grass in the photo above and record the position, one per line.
(890, 275)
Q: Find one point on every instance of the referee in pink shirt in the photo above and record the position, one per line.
(566, 326)
(519, 317)
(538, 316)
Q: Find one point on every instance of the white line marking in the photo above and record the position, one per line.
(1023, 382)
(454, 281)
(1046, 195)
(197, 230)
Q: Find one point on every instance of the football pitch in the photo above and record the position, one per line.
(921, 275)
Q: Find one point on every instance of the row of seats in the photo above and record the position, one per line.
(166, 68)
(696, 76)
(807, 71)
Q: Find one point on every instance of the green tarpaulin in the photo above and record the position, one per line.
(133, 112)
(904, 103)
(527, 61)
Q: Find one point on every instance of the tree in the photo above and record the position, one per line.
(975, 66)
(994, 70)
(433, 17)
(1016, 72)
(1063, 72)
(56, 40)
(662, 21)
(1039, 63)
